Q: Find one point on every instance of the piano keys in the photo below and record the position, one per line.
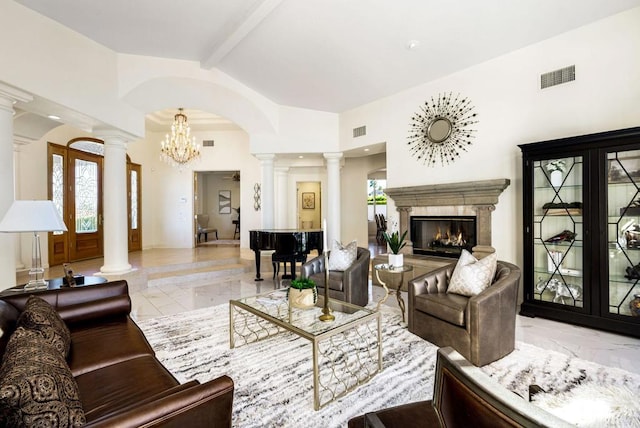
(285, 241)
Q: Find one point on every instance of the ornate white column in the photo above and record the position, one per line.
(333, 197)
(281, 198)
(116, 231)
(267, 189)
(8, 97)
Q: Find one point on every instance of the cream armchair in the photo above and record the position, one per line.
(481, 328)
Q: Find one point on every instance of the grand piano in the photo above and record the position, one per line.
(285, 241)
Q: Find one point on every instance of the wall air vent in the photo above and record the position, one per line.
(360, 131)
(558, 77)
(207, 143)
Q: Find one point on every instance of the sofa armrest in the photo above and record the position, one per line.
(201, 405)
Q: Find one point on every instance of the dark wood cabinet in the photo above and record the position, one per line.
(581, 198)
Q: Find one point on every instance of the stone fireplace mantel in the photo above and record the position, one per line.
(479, 196)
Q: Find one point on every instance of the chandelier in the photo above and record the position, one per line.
(181, 148)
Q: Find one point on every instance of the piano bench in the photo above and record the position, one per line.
(292, 259)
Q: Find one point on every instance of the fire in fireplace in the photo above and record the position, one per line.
(443, 235)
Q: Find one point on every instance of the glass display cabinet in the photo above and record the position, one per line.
(581, 198)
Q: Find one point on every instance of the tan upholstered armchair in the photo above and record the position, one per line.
(351, 286)
(482, 327)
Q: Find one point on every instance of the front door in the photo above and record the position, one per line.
(85, 205)
(75, 187)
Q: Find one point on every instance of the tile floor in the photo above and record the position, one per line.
(172, 297)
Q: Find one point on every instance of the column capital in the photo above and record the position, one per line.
(265, 157)
(19, 141)
(336, 156)
(110, 135)
(281, 169)
(14, 95)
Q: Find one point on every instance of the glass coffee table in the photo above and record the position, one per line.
(346, 352)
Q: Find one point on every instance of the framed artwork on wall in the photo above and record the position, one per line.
(308, 201)
(224, 202)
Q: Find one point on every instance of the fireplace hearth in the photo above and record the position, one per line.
(444, 236)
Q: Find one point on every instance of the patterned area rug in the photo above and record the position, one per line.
(273, 377)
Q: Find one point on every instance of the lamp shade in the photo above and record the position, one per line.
(32, 216)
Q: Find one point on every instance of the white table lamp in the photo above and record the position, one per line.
(33, 216)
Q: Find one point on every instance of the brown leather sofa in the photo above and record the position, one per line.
(120, 381)
(463, 396)
(350, 286)
(482, 327)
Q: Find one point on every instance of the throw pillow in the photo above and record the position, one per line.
(37, 388)
(41, 316)
(472, 276)
(341, 256)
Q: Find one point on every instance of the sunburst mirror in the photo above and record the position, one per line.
(442, 129)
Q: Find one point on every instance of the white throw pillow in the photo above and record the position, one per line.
(342, 256)
(472, 276)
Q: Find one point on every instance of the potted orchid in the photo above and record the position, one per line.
(555, 168)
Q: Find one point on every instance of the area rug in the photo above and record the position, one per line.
(273, 377)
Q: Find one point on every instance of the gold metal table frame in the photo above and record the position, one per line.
(394, 271)
(346, 352)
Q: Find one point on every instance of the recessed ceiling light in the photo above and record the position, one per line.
(300, 157)
(366, 150)
(53, 117)
(413, 44)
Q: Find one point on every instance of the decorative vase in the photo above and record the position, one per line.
(302, 299)
(396, 260)
(634, 305)
(556, 178)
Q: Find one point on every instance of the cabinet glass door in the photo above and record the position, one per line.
(558, 231)
(623, 231)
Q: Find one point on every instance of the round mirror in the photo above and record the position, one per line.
(439, 130)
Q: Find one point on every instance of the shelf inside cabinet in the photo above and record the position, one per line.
(564, 244)
(573, 272)
(547, 186)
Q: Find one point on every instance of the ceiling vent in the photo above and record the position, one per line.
(557, 77)
(207, 143)
(360, 131)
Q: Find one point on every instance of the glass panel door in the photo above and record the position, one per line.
(623, 229)
(85, 226)
(558, 236)
(58, 242)
(134, 203)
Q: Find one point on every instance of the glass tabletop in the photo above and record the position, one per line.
(275, 307)
(393, 269)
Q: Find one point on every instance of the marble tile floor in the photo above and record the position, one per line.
(605, 348)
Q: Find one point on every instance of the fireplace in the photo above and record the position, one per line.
(444, 236)
(471, 198)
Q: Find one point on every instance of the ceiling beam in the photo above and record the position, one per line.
(220, 50)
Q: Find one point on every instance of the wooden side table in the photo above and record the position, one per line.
(395, 272)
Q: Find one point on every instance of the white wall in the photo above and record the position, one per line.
(44, 58)
(353, 197)
(167, 192)
(513, 110)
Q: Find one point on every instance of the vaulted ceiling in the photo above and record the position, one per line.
(329, 55)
